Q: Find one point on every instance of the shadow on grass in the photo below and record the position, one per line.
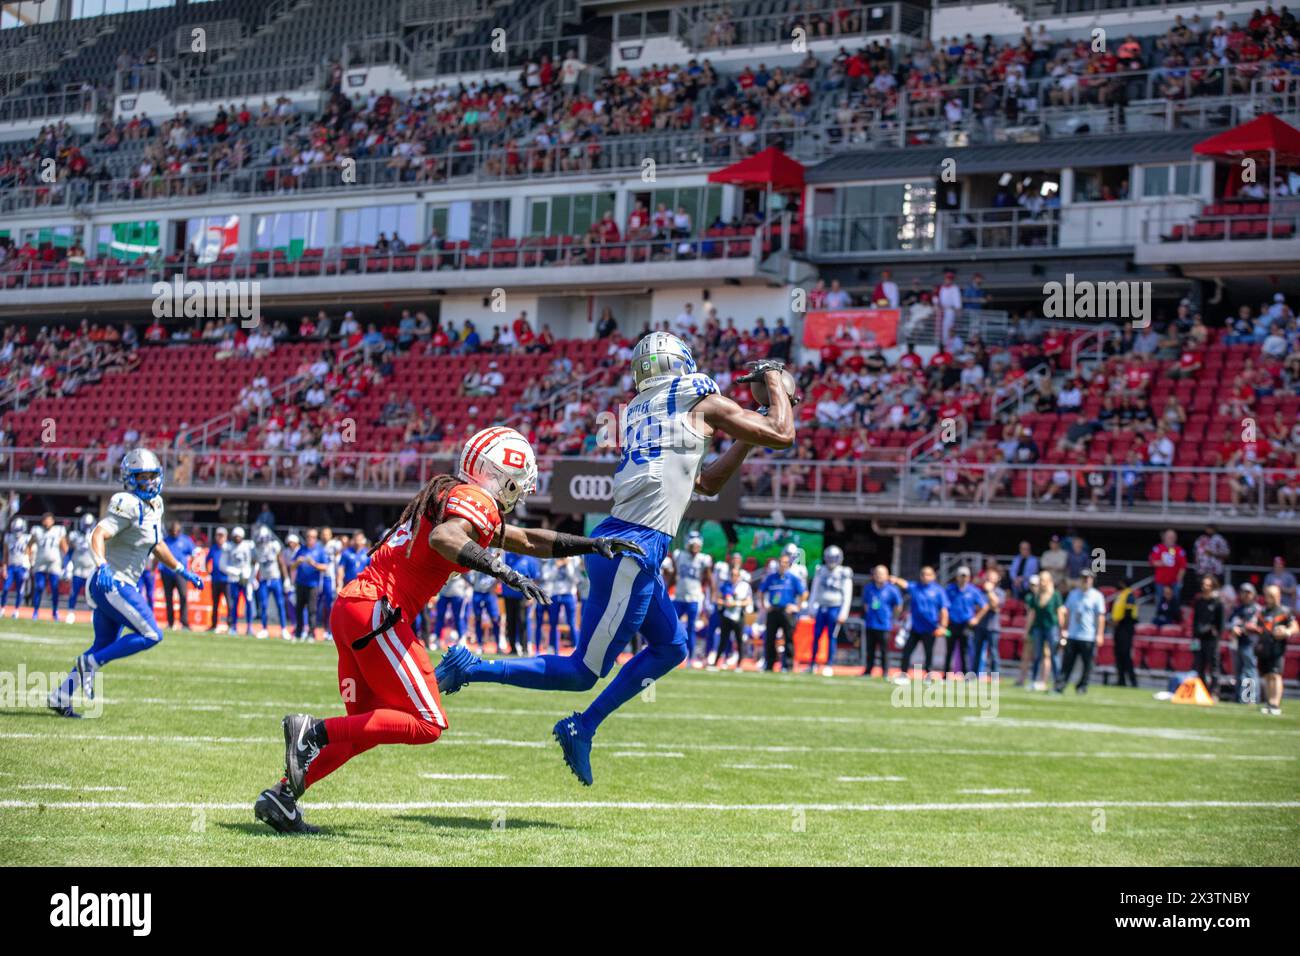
(255, 828)
(480, 823)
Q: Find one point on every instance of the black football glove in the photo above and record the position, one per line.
(760, 368)
(530, 589)
(609, 547)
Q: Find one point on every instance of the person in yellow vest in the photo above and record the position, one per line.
(1123, 616)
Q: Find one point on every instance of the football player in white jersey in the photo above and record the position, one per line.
(560, 579)
(238, 562)
(50, 544)
(121, 543)
(832, 593)
(691, 577)
(270, 579)
(668, 429)
(453, 603)
(80, 562)
(17, 560)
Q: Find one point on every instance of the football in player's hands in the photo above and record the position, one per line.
(758, 389)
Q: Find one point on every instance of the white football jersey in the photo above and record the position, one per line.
(49, 556)
(662, 454)
(134, 527)
(832, 587)
(561, 580)
(237, 560)
(690, 570)
(83, 560)
(482, 583)
(267, 556)
(16, 544)
(456, 587)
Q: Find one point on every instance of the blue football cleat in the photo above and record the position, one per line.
(576, 744)
(453, 670)
(61, 705)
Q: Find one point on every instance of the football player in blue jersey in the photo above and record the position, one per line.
(121, 543)
(668, 430)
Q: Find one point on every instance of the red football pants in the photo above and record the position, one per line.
(388, 688)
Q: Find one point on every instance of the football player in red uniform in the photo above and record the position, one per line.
(388, 686)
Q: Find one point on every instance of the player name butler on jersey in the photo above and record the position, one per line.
(663, 449)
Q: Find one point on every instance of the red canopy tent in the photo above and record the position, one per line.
(772, 171)
(1263, 137)
(771, 168)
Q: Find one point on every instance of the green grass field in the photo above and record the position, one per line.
(715, 769)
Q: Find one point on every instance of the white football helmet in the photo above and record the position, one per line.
(142, 474)
(659, 357)
(237, 532)
(88, 522)
(832, 557)
(262, 534)
(501, 462)
(18, 525)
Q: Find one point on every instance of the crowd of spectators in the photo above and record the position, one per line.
(60, 360)
(561, 116)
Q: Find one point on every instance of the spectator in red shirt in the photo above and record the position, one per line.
(1168, 562)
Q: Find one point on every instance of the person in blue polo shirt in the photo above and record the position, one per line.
(354, 559)
(517, 616)
(881, 600)
(782, 595)
(217, 578)
(310, 564)
(966, 608)
(929, 615)
(182, 546)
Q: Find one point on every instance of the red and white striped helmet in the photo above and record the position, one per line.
(501, 462)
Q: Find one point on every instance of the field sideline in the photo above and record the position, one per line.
(716, 769)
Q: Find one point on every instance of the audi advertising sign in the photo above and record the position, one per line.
(582, 487)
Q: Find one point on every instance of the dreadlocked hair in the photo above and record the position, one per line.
(427, 503)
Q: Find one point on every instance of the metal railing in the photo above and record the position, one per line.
(50, 106)
(1279, 220)
(450, 167)
(207, 434)
(1079, 225)
(527, 253)
(947, 488)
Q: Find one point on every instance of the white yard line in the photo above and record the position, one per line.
(671, 754)
(871, 779)
(760, 766)
(684, 805)
(996, 791)
(464, 776)
(742, 748)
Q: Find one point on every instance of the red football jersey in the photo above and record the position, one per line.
(411, 582)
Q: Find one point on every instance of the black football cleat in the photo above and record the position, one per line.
(279, 810)
(300, 750)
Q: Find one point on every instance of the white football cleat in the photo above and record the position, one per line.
(69, 617)
(263, 634)
(828, 671)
